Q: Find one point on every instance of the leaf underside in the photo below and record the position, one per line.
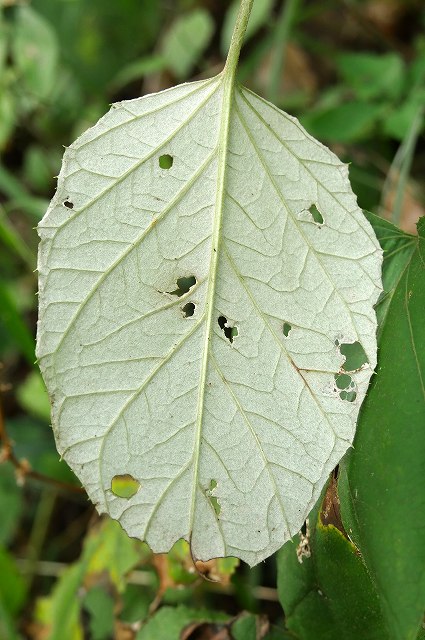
(192, 310)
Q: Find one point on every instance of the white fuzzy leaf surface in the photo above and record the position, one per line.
(231, 437)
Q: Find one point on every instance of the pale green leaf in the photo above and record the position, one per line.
(192, 313)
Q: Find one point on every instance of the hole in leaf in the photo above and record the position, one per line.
(214, 501)
(350, 396)
(188, 310)
(343, 380)
(68, 204)
(286, 329)
(124, 486)
(229, 332)
(183, 285)
(166, 161)
(315, 214)
(355, 356)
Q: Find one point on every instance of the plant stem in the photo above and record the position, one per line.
(403, 162)
(237, 37)
(282, 31)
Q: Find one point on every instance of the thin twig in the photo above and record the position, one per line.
(22, 466)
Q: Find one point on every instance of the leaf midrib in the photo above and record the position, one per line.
(223, 144)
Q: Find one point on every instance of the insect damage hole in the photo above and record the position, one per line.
(68, 204)
(355, 356)
(124, 486)
(166, 161)
(213, 500)
(315, 214)
(188, 310)
(183, 286)
(229, 332)
(344, 383)
(286, 329)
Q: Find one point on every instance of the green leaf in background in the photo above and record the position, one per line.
(32, 396)
(11, 501)
(248, 626)
(35, 51)
(108, 550)
(371, 75)
(347, 122)
(12, 585)
(399, 119)
(59, 614)
(398, 248)
(169, 622)
(326, 592)
(259, 15)
(7, 115)
(100, 606)
(186, 40)
(11, 319)
(108, 553)
(381, 486)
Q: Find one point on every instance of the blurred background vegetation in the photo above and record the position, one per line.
(353, 72)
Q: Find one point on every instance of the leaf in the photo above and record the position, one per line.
(32, 396)
(324, 587)
(99, 604)
(107, 552)
(11, 319)
(398, 248)
(169, 622)
(381, 484)
(186, 40)
(346, 122)
(12, 585)
(164, 293)
(373, 76)
(35, 52)
(11, 500)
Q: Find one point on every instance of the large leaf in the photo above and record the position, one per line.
(202, 265)
(382, 480)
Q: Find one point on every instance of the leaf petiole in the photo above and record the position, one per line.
(238, 36)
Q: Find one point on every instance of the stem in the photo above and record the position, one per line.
(283, 28)
(22, 466)
(39, 531)
(237, 37)
(403, 162)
